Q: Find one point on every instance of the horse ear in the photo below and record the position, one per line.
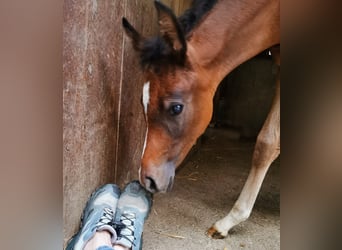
(170, 29)
(133, 34)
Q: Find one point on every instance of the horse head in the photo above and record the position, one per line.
(176, 98)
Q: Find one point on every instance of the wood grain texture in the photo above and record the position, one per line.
(92, 57)
(103, 122)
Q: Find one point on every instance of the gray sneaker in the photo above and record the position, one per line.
(133, 208)
(98, 215)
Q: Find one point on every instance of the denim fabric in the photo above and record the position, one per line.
(104, 248)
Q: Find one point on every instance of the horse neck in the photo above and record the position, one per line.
(231, 33)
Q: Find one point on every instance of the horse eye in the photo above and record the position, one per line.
(176, 109)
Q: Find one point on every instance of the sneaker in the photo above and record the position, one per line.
(98, 215)
(133, 208)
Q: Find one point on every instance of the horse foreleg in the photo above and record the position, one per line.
(266, 150)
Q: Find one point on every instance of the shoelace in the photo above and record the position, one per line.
(125, 227)
(106, 218)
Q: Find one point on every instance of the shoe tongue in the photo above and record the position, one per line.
(109, 229)
(126, 234)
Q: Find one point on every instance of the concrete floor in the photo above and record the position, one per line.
(205, 189)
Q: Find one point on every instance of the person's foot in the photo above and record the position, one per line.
(133, 208)
(98, 215)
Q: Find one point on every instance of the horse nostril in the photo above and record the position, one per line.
(151, 184)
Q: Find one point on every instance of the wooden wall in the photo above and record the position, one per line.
(245, 96)
(103, 124)
(178, 6)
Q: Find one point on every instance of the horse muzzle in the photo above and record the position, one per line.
(158, 178)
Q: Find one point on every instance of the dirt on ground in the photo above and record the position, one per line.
(204, 191)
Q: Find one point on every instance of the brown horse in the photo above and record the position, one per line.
(183, 67)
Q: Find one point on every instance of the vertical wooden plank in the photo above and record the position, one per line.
(178, 6)
(92, 59)
(142, 15)
(184, 5)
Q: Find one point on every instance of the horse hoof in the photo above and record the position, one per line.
(213, 233)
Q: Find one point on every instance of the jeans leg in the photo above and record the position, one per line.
(104, 248)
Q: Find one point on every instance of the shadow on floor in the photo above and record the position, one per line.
(205, 189)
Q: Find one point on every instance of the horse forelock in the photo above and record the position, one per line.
(156, 54)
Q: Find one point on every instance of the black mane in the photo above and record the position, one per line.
(194, 14)
(156, 52)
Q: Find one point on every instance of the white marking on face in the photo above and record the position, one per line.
(142, 154)
(145, 100)
(144, 142)
(140, 174)
(146, 96)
